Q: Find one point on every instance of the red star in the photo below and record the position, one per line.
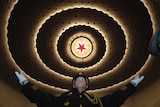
(81, 47)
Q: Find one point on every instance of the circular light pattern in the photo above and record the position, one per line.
(81, 46)
(70, 41)
(51, 55)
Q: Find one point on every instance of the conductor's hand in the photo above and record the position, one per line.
(22, 79)
(137, 80)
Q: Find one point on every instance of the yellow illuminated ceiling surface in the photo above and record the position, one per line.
(81, 47)
(51, 41)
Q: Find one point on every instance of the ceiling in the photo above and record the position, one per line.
(40, 38)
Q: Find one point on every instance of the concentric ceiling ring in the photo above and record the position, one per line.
(50, 34)
(80, 47)
(49, 40)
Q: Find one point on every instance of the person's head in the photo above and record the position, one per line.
(80, 81)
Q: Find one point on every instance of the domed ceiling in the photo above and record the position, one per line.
(51, 40)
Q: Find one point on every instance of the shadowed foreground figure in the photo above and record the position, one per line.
(77, 97)
(154, 46)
